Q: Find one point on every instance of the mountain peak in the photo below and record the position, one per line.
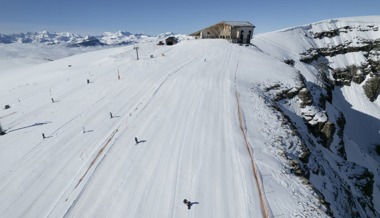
(107, 38)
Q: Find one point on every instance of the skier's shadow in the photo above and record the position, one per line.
(25, 127)
(142, 141)
(191, 204)
(139, 141)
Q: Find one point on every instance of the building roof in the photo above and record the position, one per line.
(230, 23)
(238, 23)
(172, 38)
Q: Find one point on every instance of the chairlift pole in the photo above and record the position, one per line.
(137, 51)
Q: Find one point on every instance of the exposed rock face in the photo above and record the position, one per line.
(361, 57)
(308, 165)
(356, 72)
(89, 41)
(328, 131)
(339, 60)
(344, 29)
(289, 62)
(305, 97)
(372, 88)
(340, 149)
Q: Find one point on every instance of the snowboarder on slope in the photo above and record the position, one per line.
(137, 141)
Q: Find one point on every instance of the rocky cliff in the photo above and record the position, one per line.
(354, 44)
(337, 99)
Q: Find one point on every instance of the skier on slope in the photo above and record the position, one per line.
(189, 203)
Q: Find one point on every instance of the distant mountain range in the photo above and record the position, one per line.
(107, 38)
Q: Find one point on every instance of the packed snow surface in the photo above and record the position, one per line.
(181, 104)
(205, 130)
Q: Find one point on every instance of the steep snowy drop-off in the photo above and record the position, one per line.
(305, 128)
(334, 108)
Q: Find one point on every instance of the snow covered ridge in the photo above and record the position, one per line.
(350, 49)
(107, 38)
(333, 106)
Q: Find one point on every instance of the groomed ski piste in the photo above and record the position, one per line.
(182, 103)
(204, 131)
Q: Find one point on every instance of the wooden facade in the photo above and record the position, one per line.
(234, 31)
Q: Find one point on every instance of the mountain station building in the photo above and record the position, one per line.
(233, 31)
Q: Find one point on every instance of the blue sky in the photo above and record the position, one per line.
(159, 16)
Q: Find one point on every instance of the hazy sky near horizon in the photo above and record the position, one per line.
(159, 16)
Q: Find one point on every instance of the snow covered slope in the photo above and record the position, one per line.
(270, 130)
(182, 103)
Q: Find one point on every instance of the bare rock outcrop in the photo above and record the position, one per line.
(372, 88)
